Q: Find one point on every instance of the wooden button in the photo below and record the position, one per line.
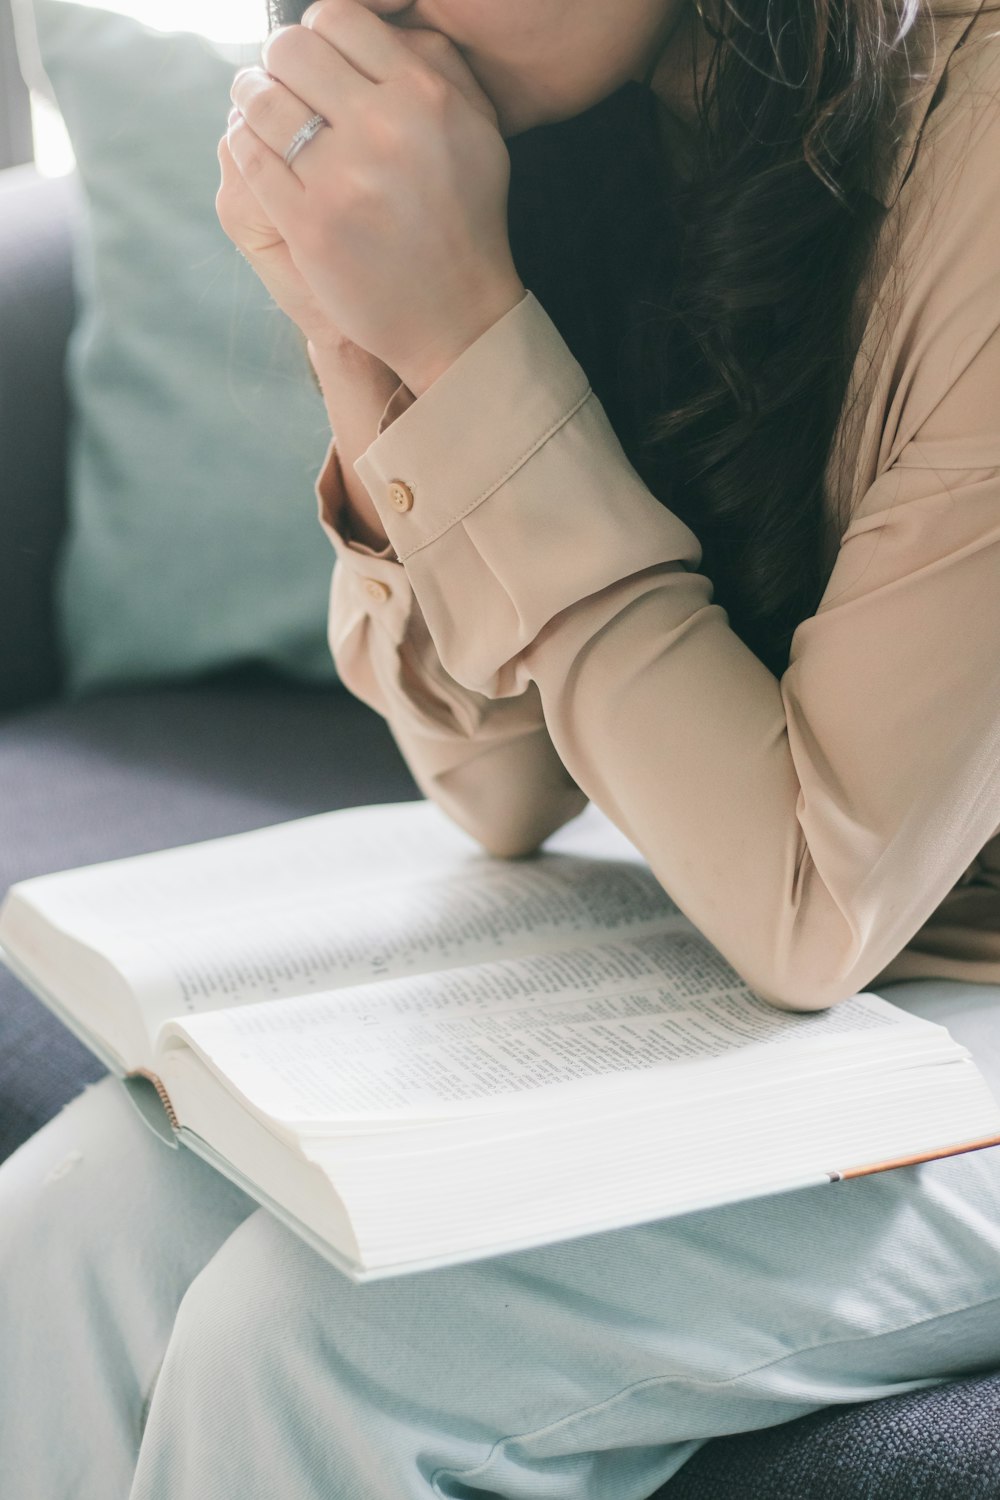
(376, 590)
(400, 496)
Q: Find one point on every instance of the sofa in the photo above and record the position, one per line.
(118, 773)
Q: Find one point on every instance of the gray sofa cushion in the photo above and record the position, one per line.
(36, 311)
(940, 1444)
(123, 774)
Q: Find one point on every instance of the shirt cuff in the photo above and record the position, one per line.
(375, 580)
(508, 497)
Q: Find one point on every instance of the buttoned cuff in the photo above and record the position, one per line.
(375, 580)
(508, 497)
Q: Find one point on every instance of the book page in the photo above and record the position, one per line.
(427, 1044)
(340, 898)
(353, 848)
(352, 938)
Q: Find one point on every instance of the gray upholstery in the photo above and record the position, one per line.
(941, 1444)
(117, 775)
(36, 310)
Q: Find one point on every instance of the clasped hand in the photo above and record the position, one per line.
(389, 229)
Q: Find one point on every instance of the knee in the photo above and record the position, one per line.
(245, 1311)
(61, 1190)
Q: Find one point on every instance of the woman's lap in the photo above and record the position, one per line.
(584, 1370)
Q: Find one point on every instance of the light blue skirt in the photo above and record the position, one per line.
(162, 1338)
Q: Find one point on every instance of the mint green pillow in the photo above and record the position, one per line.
(196, 429)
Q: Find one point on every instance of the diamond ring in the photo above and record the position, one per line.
(303, 136)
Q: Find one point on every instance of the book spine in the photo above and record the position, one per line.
(164, 1097)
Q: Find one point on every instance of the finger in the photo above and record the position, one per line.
(234, 202)
(340, 49)
(278, 190)
(272, 111)
(239, 212)
(312, 69)
(347, 48)
(369, 43)
(439, 52)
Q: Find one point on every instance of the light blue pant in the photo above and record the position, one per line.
(161, 1338)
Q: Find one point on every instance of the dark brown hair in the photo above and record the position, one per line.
(712, 312)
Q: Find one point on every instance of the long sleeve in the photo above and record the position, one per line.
(490, 765)
(809, 825)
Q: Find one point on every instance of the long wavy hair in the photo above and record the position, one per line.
(713, 309)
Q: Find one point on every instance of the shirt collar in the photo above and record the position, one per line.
(928, 48)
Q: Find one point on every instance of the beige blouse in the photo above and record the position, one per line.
(539, 632)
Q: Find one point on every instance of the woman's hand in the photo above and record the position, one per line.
(395, 218)
(245, 221)
(260, 244)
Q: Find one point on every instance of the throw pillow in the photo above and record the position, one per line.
(197, 430)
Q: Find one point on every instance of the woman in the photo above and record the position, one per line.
(746, 601)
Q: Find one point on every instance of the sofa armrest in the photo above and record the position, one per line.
(36, 314)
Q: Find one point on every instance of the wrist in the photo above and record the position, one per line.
(419, 375)
(329, 348)
(340, 353)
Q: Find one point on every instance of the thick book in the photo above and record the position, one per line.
(416, 1054)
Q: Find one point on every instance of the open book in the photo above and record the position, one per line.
(416, 1054)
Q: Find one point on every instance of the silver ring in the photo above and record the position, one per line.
(303, 136)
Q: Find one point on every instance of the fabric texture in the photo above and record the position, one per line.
(941, 1444)
(36, 310)
(125, 773)
(544, 635)
(227, 1359)
(196, 427)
